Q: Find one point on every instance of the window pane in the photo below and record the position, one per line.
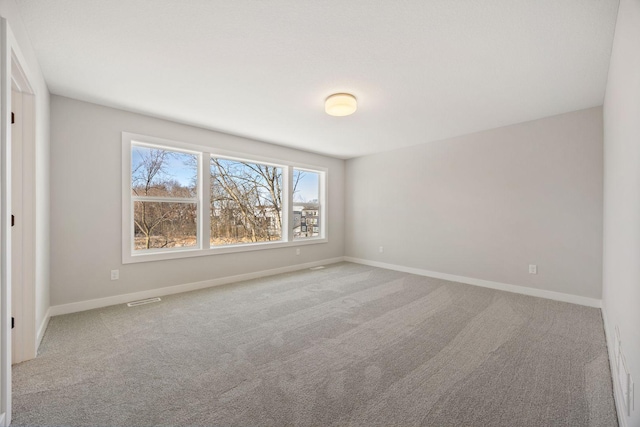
(246, 202)
(158, 172)
(306, 204)
(164, 225)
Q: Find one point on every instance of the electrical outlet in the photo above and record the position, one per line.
(297, 251)
(533, 269)
(115, 274)
(381, 249)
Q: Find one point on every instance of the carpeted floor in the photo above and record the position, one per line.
(349, 345)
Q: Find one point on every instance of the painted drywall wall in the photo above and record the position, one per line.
(487, 205)
(9, 10)
(621, 279)
(86, 209)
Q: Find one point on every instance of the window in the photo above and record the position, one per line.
(246, 202)
(182, 200)
(164, 192)
(306, 203)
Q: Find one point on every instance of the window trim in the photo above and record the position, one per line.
(322, 189)
(203, 247)
(159, 199)
(286, 171)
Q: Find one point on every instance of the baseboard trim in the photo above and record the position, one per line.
(42, 329)
(617, 398)
(541, 293)
(75, 307)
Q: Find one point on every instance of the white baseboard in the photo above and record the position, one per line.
(43, 328)
(75, 307)
(2, 419)
(617, 397)
(541, 293)
(170, 290)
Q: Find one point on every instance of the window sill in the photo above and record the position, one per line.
(229, 249)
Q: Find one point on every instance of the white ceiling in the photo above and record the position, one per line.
(421, 70)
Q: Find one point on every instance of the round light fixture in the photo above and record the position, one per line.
(341, 104)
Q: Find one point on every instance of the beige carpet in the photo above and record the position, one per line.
(349, 345)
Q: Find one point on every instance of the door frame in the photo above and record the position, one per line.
(5, 224)
(13, 72)
(23, 295)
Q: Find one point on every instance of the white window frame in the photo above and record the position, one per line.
(203, 247)
(322, 212)
(197, 200)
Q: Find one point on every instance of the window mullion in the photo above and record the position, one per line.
(205, 200)
(289, 223)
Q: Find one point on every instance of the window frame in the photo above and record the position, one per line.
(159, 199)
(286, 170)
(203, 247)
(321, 200)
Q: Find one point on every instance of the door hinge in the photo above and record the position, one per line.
(13, 220)
(13, 322)
(13, 118)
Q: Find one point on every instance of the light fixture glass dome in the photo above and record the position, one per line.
(341, 104)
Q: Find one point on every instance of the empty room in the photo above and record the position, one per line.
(319, 213)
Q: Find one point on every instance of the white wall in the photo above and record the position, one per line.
(621, 283)
(9, 10)
(86, 212)
(487, 205)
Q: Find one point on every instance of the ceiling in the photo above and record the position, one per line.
(421, 70)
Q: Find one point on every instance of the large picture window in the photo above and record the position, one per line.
(182, 200)
(246, 202)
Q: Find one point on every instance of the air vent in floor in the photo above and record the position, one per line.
(143, 301)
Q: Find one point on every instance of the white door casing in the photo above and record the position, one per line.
(13, 75)
(5, 225)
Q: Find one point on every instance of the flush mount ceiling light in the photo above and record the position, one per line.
(340, 104)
